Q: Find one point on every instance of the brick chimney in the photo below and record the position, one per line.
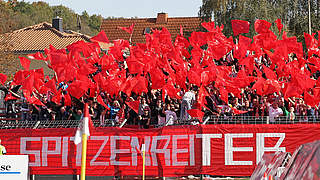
(162, 18)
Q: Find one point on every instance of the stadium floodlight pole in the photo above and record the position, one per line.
(309, 12)
(84, 156)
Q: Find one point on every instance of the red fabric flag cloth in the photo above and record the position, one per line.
(77, 89)
(262, 26)
(56, 98)
(100, 37)
(100, 101)
(279, 25)
(157, 78)
(270, 74)
(67, 100)
(36, 56)
(134, 66)
(310, 40)
(128, 29)
(291, 90)
(10, 97)
(310, 99)
(3, 78)
(241, 48)
(51, 85)
(210, 26)
(28, 84)
(223, 94)
(134, 105)
(240, 26)
(196, 113)
(25, 63)
(249, 63)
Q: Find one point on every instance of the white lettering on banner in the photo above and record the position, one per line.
(175, 150)
(105, 140)
(39, 149)
(206, 147)
(115, 151)
(78, 153)
(191, 147)
(229, 149)
(46, 151)
(65, 144)
(261, 144)
(164, 150)
(36, 153)
(136, 146)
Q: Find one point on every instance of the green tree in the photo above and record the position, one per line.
(293, 13)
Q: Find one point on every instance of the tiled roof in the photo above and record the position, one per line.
(110, 26)
(40, 36)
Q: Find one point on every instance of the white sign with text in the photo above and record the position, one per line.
(14, 167)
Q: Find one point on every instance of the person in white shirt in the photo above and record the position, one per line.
(171, 116)
(274, 112)
(187, 100)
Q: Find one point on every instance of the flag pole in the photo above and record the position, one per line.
(143, 161)
(83, 156)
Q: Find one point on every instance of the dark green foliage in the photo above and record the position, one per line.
(293, 13)
(21, 14)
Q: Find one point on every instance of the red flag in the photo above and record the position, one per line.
(209, 26)
(36, 56)
(3, 78)
(310, 99)
(128, 29)
(100, 101)
(134, 105)
(51, 85)
(269, 73)
(262, 26)
(242, 47)
(25, 63)
(279, 25)
(77, 89)
(10, 97)
(224, 94)
(240, 26)
(310, 40)
(101, 37)
(196, 113)
(67, 100)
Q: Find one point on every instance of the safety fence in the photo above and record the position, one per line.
(7, 123)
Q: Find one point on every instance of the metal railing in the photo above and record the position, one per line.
(14, 124)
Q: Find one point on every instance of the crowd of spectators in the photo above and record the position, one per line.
(157, 109)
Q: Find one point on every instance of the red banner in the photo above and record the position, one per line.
(230, 150)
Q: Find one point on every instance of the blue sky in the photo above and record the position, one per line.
(131, 8)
